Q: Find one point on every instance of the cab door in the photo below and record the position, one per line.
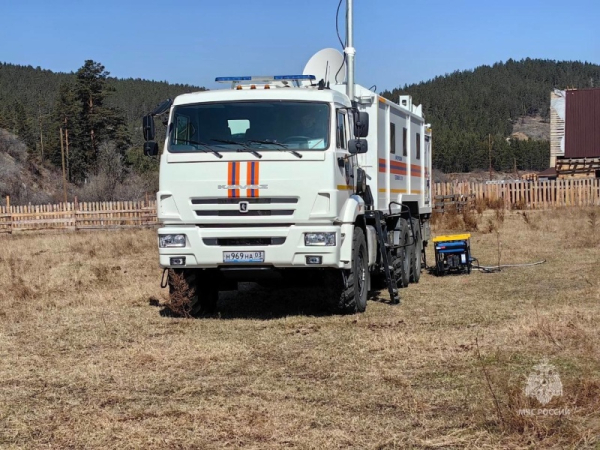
(345, 163)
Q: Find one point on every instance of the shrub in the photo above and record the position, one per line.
(470, 220)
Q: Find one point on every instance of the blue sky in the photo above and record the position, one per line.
(397, 41)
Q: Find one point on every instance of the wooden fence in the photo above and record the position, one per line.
(108, 215)
(77, 216)
(453, 203)
(529, 194)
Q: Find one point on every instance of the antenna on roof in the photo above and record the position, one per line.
(324, 65)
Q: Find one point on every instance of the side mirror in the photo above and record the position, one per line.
(148, 127)
(150, 148)
(356, 146)
(361, 124)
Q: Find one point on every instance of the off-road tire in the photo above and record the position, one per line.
(405, 253)
(202, 287)
(415, 274)
(397, 261)
(349, 288)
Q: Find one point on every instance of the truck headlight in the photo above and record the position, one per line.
(171, 240)
(323, 239)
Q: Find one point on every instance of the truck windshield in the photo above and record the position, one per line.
(261, 125)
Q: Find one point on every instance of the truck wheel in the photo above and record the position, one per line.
(378, 280)
(350, 286)
(415, 274)
(405, 252)
(398, 257)
(193, 292)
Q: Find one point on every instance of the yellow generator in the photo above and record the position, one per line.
(452, 254)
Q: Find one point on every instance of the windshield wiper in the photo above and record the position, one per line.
(283, 146)
(246, 148)
(216, 153)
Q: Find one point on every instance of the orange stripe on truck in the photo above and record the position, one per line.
(252, 178)
(399, 168)
(233, 179)
(230, 178)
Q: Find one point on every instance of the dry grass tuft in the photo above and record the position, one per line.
(480, 205)
(491, 226)
(18, 289)
(585, 234)
(593, 219)
(179, 303)
(496, 204)
(102, 273)
(500, 214)
(520, 205)
(469, 220)
(530, 220)
(89, 362)
(436, 218)
(449, 220)
(453, 221)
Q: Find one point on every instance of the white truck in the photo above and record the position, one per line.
(298, 175)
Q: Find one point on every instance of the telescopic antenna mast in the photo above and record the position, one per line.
(350, 51)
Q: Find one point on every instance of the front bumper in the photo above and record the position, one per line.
(201, 253)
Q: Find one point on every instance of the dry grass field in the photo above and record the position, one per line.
(88, 361)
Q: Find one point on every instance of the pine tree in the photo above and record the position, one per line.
(21, 125)
(96, 123)
(91, 90)
(67, 118)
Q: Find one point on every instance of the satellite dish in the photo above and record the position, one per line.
(327, 65)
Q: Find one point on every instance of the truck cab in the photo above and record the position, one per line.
(271, 176)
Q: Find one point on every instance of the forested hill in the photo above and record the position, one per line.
(465, 107)
(84, 123)
(35, 91)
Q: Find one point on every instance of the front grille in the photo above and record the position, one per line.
(244, 242)
(245, 225)
(258, 206)
(256, 212)
(235, 201)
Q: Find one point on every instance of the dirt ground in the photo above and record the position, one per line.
(88, 361)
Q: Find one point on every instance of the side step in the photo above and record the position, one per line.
(384, 249)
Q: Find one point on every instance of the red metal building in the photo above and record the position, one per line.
(582, 124)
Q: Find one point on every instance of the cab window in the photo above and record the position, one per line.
(182, 130)
(341, 130)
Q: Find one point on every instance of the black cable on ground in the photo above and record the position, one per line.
(489, 269)
(492, 269)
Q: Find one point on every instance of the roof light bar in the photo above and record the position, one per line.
(294, 77)
(265, 78)
(230, 79)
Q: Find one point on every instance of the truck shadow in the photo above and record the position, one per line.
(253, 301)
(257, 302)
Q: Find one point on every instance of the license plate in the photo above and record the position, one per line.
(244, 257)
